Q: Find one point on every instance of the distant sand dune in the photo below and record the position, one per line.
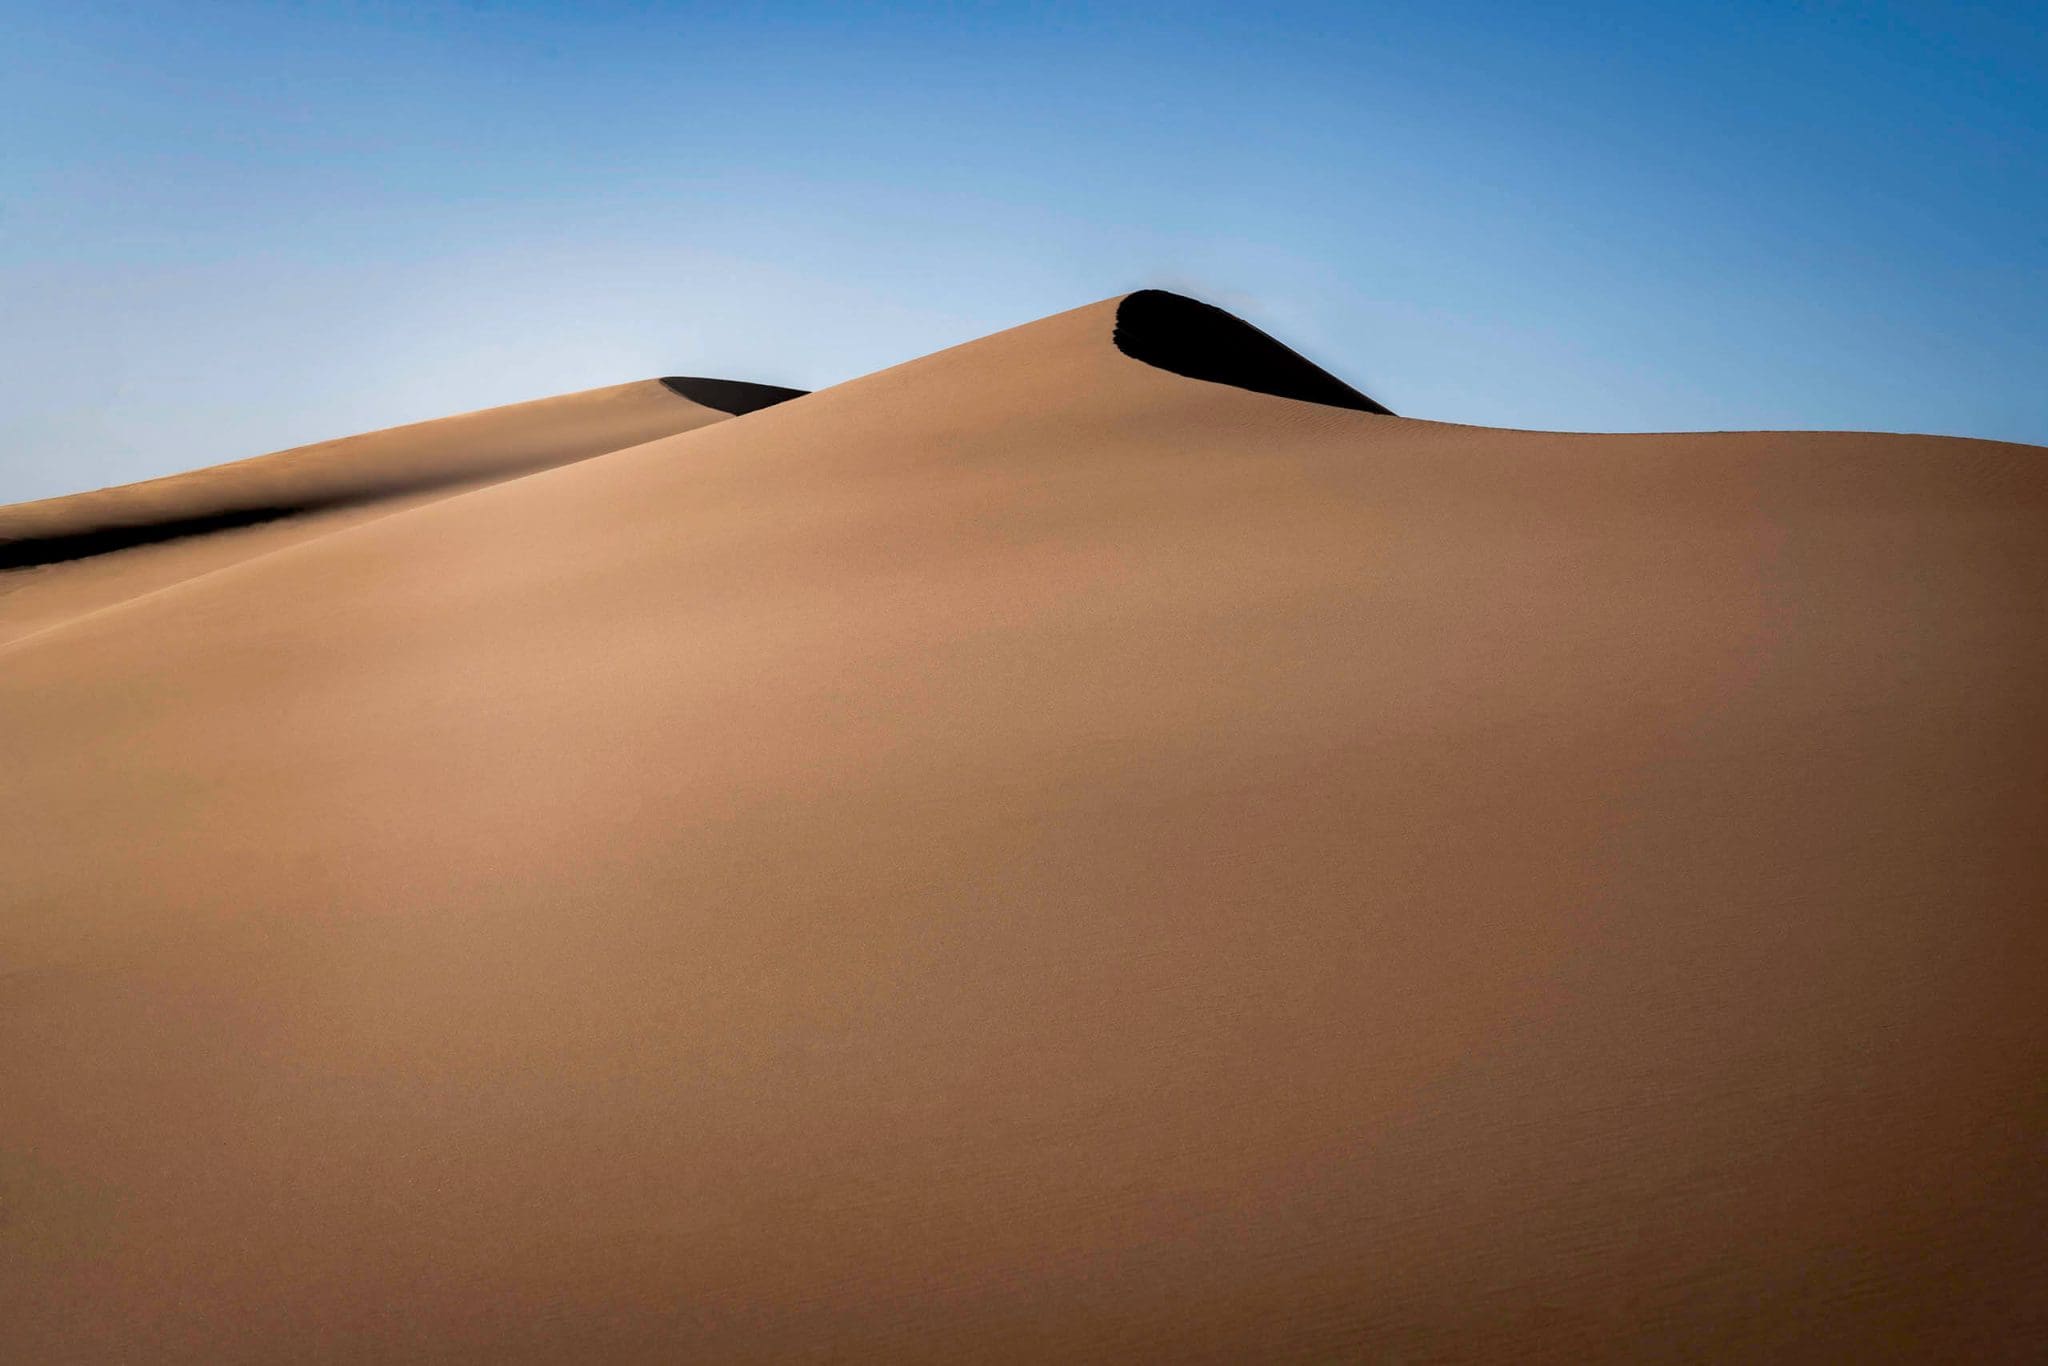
(320, 487)
(1057, 850)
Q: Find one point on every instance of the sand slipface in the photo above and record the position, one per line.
(1035, 855)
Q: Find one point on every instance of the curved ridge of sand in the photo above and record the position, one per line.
(491, 443)
(1027, 855)
(77, 553)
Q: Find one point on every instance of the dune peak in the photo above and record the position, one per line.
(1201, 341)
(733, 396)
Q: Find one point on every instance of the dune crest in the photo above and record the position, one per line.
(394, 462)
(81, 551)
(735, 398)
(1201, 341)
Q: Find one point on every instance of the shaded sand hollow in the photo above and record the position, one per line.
(1041, 853)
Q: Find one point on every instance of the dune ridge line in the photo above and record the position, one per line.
(395, 462)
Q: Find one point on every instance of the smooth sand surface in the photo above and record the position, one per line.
(1030, 856)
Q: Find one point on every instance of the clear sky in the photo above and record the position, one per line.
(227, 228)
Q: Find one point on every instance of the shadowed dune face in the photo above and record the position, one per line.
(1201, 341)
(99, 538)
(734, 397)
(1025, 855)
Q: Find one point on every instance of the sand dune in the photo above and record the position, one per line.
(1045, 854)
(60, 556)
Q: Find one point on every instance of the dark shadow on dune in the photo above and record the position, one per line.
(1201, 341)
(138, 527)
(24, 551)
(733, 396)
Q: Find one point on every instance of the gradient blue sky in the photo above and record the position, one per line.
(227, 228)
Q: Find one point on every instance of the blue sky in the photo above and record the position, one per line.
(228, 228)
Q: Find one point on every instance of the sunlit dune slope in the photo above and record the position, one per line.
(77, 553)
(1034, 855)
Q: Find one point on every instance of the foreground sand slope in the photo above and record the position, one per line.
(1027, 855)
(63, 556)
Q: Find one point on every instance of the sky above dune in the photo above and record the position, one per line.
(229, 228)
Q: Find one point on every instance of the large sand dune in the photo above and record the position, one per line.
(1036, 854)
